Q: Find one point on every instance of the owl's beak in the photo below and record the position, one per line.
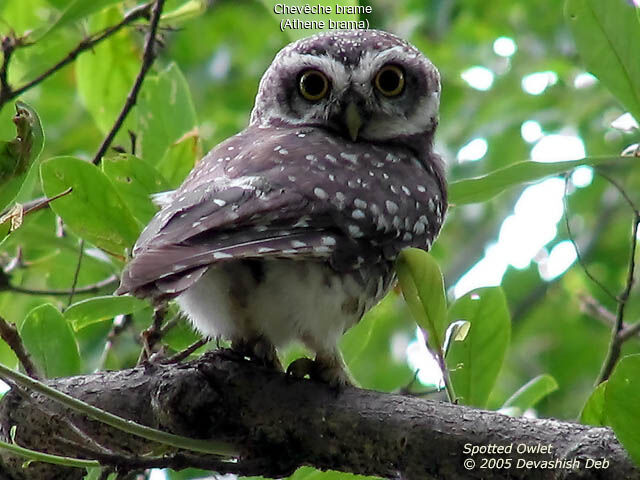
(353, 120)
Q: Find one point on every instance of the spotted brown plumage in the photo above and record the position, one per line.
(288, 230)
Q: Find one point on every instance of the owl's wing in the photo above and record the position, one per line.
(263, 194)
(215, 223)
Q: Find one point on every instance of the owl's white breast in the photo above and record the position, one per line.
(281, 300)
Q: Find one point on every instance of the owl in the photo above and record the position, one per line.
(288, 231)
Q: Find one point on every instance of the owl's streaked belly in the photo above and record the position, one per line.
(283, 300)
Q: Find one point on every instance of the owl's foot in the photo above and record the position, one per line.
(326, 368)
(259, 349)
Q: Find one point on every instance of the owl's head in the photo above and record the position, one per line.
(361, 84)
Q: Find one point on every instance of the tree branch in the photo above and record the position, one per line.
(617, 337)
(147, 60)
(10, 335)
(592, 307)
(280, 423)
(8, 93)
(184, 354)
(531, 300)
(8, 46)
(579, 256)
(93, 288)
(76, 273)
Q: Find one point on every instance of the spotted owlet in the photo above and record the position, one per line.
(289, 229)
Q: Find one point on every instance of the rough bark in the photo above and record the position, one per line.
(280, 423)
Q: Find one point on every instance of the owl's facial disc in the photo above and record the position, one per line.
(378, 87)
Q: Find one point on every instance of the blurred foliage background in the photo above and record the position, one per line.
(221, 52)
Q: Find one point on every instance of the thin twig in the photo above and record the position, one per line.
(618, 187)
(116, 329)
(178, 357)
(81, 446)
(619, 334)
(579, 256)
(446, 378)
(76, 273)
(592, 307)
(629, 331)
(173, 322)
(42, 202)
(92, 288)
(85, 44)
(10, 335)
(148, 57)
(530, 301)
(615, 345)
(19, 211)
(154, 333)
(13, 264)
(8, 46)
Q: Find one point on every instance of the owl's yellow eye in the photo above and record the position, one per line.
(390, 81)
(313, 85)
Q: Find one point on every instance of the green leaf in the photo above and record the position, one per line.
(484, 188)
(475, 362)
(11, 220)
(607, 35)
(191, 474)
(310, 473)
(274, 7)
(96, 474)
(135, 180)
(19, 155)
(181, 336)
(370, 348)
(622, 401)
(187, 11)
(7, 356)
(106, 72)
(50, 341)
(456, 332)
(97, 309)
(59, 4)
(93, 210)
(423, 289)
(165, 112)
(593, 410)
(76, 11)
(180, 158)
(531, 393)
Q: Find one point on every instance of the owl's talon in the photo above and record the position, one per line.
(337, 378)
(231, 354)
(265, 352)
(158, 356)
(329, 370)
(260, 350)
